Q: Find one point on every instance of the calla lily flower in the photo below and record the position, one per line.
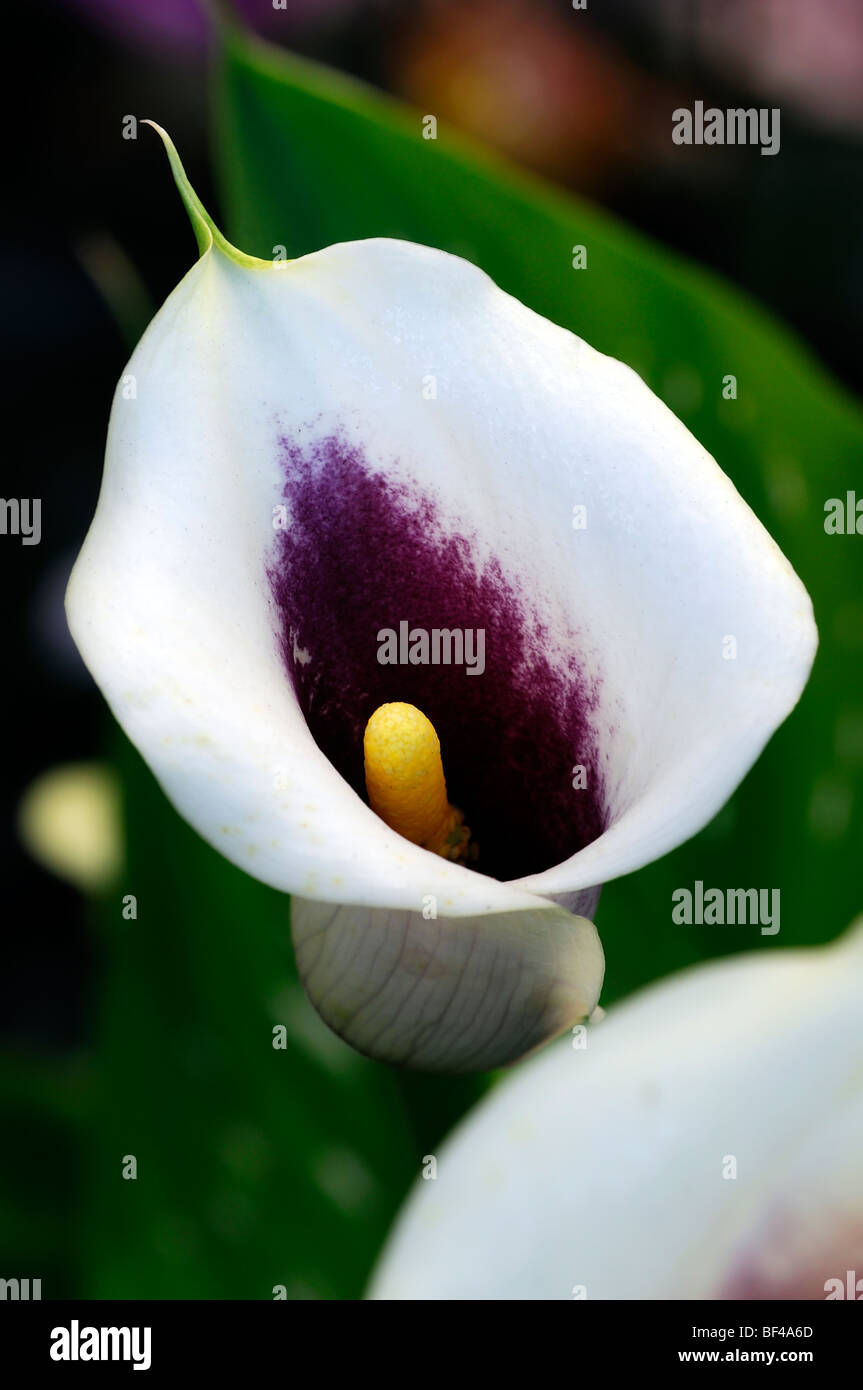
(314, 465)
(706, 1143)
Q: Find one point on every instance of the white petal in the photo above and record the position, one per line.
(604, 1169)
(443, 995)
(171, 606)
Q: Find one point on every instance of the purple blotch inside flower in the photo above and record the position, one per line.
(363, 551)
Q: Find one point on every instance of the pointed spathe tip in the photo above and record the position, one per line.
(207, 234)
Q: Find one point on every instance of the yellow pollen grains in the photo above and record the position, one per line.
(405, 781)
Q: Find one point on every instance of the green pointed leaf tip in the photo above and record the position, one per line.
(207, 234)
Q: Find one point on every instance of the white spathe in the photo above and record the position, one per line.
(706, 1143)
(170, 606)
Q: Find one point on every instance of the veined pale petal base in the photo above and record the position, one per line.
(447, 994)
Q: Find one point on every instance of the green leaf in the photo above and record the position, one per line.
(308, 158)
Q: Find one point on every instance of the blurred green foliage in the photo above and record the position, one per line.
(259, 1167)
